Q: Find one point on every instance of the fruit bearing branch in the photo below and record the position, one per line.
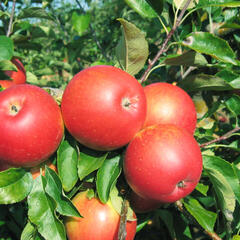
(163, 47)
(11, 19)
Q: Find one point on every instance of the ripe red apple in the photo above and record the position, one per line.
(6, 83)
(19, 76)
(169, 104)
(143, 205)
(163, 162)
(31, 125)
(103, 107)
(100, 221)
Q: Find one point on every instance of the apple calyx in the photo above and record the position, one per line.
(126, 103)
(181, 184)
(14, 109)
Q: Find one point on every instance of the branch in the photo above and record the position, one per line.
(181, 208)
(222, 138)
(11, 19)
(163, 47)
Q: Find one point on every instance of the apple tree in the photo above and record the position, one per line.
(192, 45)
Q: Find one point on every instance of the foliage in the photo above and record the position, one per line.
(55, 40)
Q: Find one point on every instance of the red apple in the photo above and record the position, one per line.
(6, 83)
(103, 107)
(163, 162)
(169, 104)
(100, 221)
(31, 125)
(143, 205)
(19, 76)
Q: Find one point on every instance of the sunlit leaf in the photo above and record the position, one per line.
(218, 3)
(80, 22)
(6, 48)
(35, 12)
(132, 49)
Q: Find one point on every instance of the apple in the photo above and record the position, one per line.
(100, 221)
(18, 77)
(31, 125)
(169, 104)
(103, 107)
(163, 162)
(143, 205)
(6, 83)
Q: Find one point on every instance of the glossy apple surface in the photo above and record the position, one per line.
(100, 221)
(31, 125)
(18, 77)
(169, 104)
(6, 83)
(103, 107)
(163, 163)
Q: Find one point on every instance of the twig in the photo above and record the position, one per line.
(223, 137)
(163, 47)
(11, 19)
(181, 208)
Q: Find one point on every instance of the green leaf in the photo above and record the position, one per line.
(54, 188)
(207, 43)
(224, 168)
(224, 185)
(41, 212)
(142, 8)
(7, 65)
(181, 3)
(67, 160)
(201, 82)
(89, 162)
(157, 5)
(167, 218)
(15, 185)
(233, 104)
(80, 22)
(189, 58)
(132, 49)
(204, 217)
(203, 189)
(107, 176)
(218, 3)
(31, 78)
(35, 12)
(29, 232)
(6, 48)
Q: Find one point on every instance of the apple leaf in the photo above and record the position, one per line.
(204, 217)
(41, 212)
(35, 12)
(15, 185)
(80, 22)
(30, 232)
(89, 162)
(132, 49)
(218, 3)
(54, 188)
(142, 8)
(207, 43)
(67, 159)
(7, 65)
(6, 48)
(181, 3)
(107, 176)
(233, 104)
(189, 58)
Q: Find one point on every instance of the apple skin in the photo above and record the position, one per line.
(169, 104)
(6, 83)
(18, 77)
(143, 205)
(100, 221)
(103, 107)
(31, 125)
(163, 162)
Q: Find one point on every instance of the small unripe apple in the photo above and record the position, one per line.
(103, 107)
(169, 104)
(163, 162)
(31, 126)
(100, 221)
(18, 76)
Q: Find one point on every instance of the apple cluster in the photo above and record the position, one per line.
(105, 108)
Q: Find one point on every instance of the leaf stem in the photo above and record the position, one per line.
(164, 45)
(221, 138)
(11, 19)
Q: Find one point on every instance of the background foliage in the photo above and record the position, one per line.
(56, 39)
